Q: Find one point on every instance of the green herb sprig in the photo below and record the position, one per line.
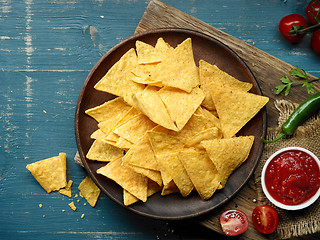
(303, 80)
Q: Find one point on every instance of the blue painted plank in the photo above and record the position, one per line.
(46, 52)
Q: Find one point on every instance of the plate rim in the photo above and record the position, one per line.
(89, 76)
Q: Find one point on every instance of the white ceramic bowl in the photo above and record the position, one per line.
(275, 202)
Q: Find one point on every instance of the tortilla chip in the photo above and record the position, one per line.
(152, 106)
(118, 80)
(128, 179)
(104, 152)
(112, 109)
(169, 188)
(228, 154)
(50, 173)
(163, 49)
(142, 74)
(211, 73)
(235, 108)
(135, 128)
(67, 190)
(178, 70)
(141, 155)
(147, 54)
(210, 133)
(72, 206)
(180, 104)
(201, 171)
(89, 190)
(129, 199)
(163, 143)
(172, 164)
(151, 174)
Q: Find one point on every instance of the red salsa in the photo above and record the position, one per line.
(292, 177)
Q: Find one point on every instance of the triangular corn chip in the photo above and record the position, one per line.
(178, 70)
(112, 109)
(201, 171)
(89, 190)
(118, 80)
(152, 106)
(104, 152)
(50, 173)
(180, 104)
(211, 73)
(228, 154)
(235, 108)
(133, 182)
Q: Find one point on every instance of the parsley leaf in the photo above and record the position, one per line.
(301, 79)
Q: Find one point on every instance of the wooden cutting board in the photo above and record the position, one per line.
(267, 70)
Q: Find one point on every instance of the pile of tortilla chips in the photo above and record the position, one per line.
(173, 125)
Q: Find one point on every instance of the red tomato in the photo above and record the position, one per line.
(313, 12)
(315, 41)
(291, 27)
(234, 222)
(265, 218)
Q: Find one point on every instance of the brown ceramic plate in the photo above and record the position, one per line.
(174, 206)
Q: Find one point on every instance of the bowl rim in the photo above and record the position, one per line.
(275, 202)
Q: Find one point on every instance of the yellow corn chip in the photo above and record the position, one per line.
(152, 106)
(118, 80)
(163, 143)
(133, 182)
(210, 133)
(146, 53)
(211, 73)
(201, 171)
(141, 155)
(50, 173)
(172, 164)
(89, 190)
(72, 206)
(142, 74)
(151, 174)
(235, 108)
(104, 152)
(228, 154)
(67, 190)
(113, 109)
(178, 70)
(180, 104)
(135, 128)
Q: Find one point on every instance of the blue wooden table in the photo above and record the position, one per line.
(47, 49)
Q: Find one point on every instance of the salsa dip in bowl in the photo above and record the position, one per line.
(290, 178)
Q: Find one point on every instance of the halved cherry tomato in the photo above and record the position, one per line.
(291, 27)
(315, 41)
(265, 218)
(234, 222)
(313, 12)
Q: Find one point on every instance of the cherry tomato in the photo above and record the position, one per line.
(315, 41)
(265, 218)
(291, 27)
(234, 222)
(313, 12)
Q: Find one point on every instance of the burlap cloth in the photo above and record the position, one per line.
(301, 222)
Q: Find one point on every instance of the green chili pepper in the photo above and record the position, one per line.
(304, 111)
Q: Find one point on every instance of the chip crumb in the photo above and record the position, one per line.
(85, 204)
(254, 200)
(44, 216)
(253, 43)
(40, 205)
(44, 111)
(76, 195)
(78, 200)
(82, 216)
(63, 210)
(72, 206)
